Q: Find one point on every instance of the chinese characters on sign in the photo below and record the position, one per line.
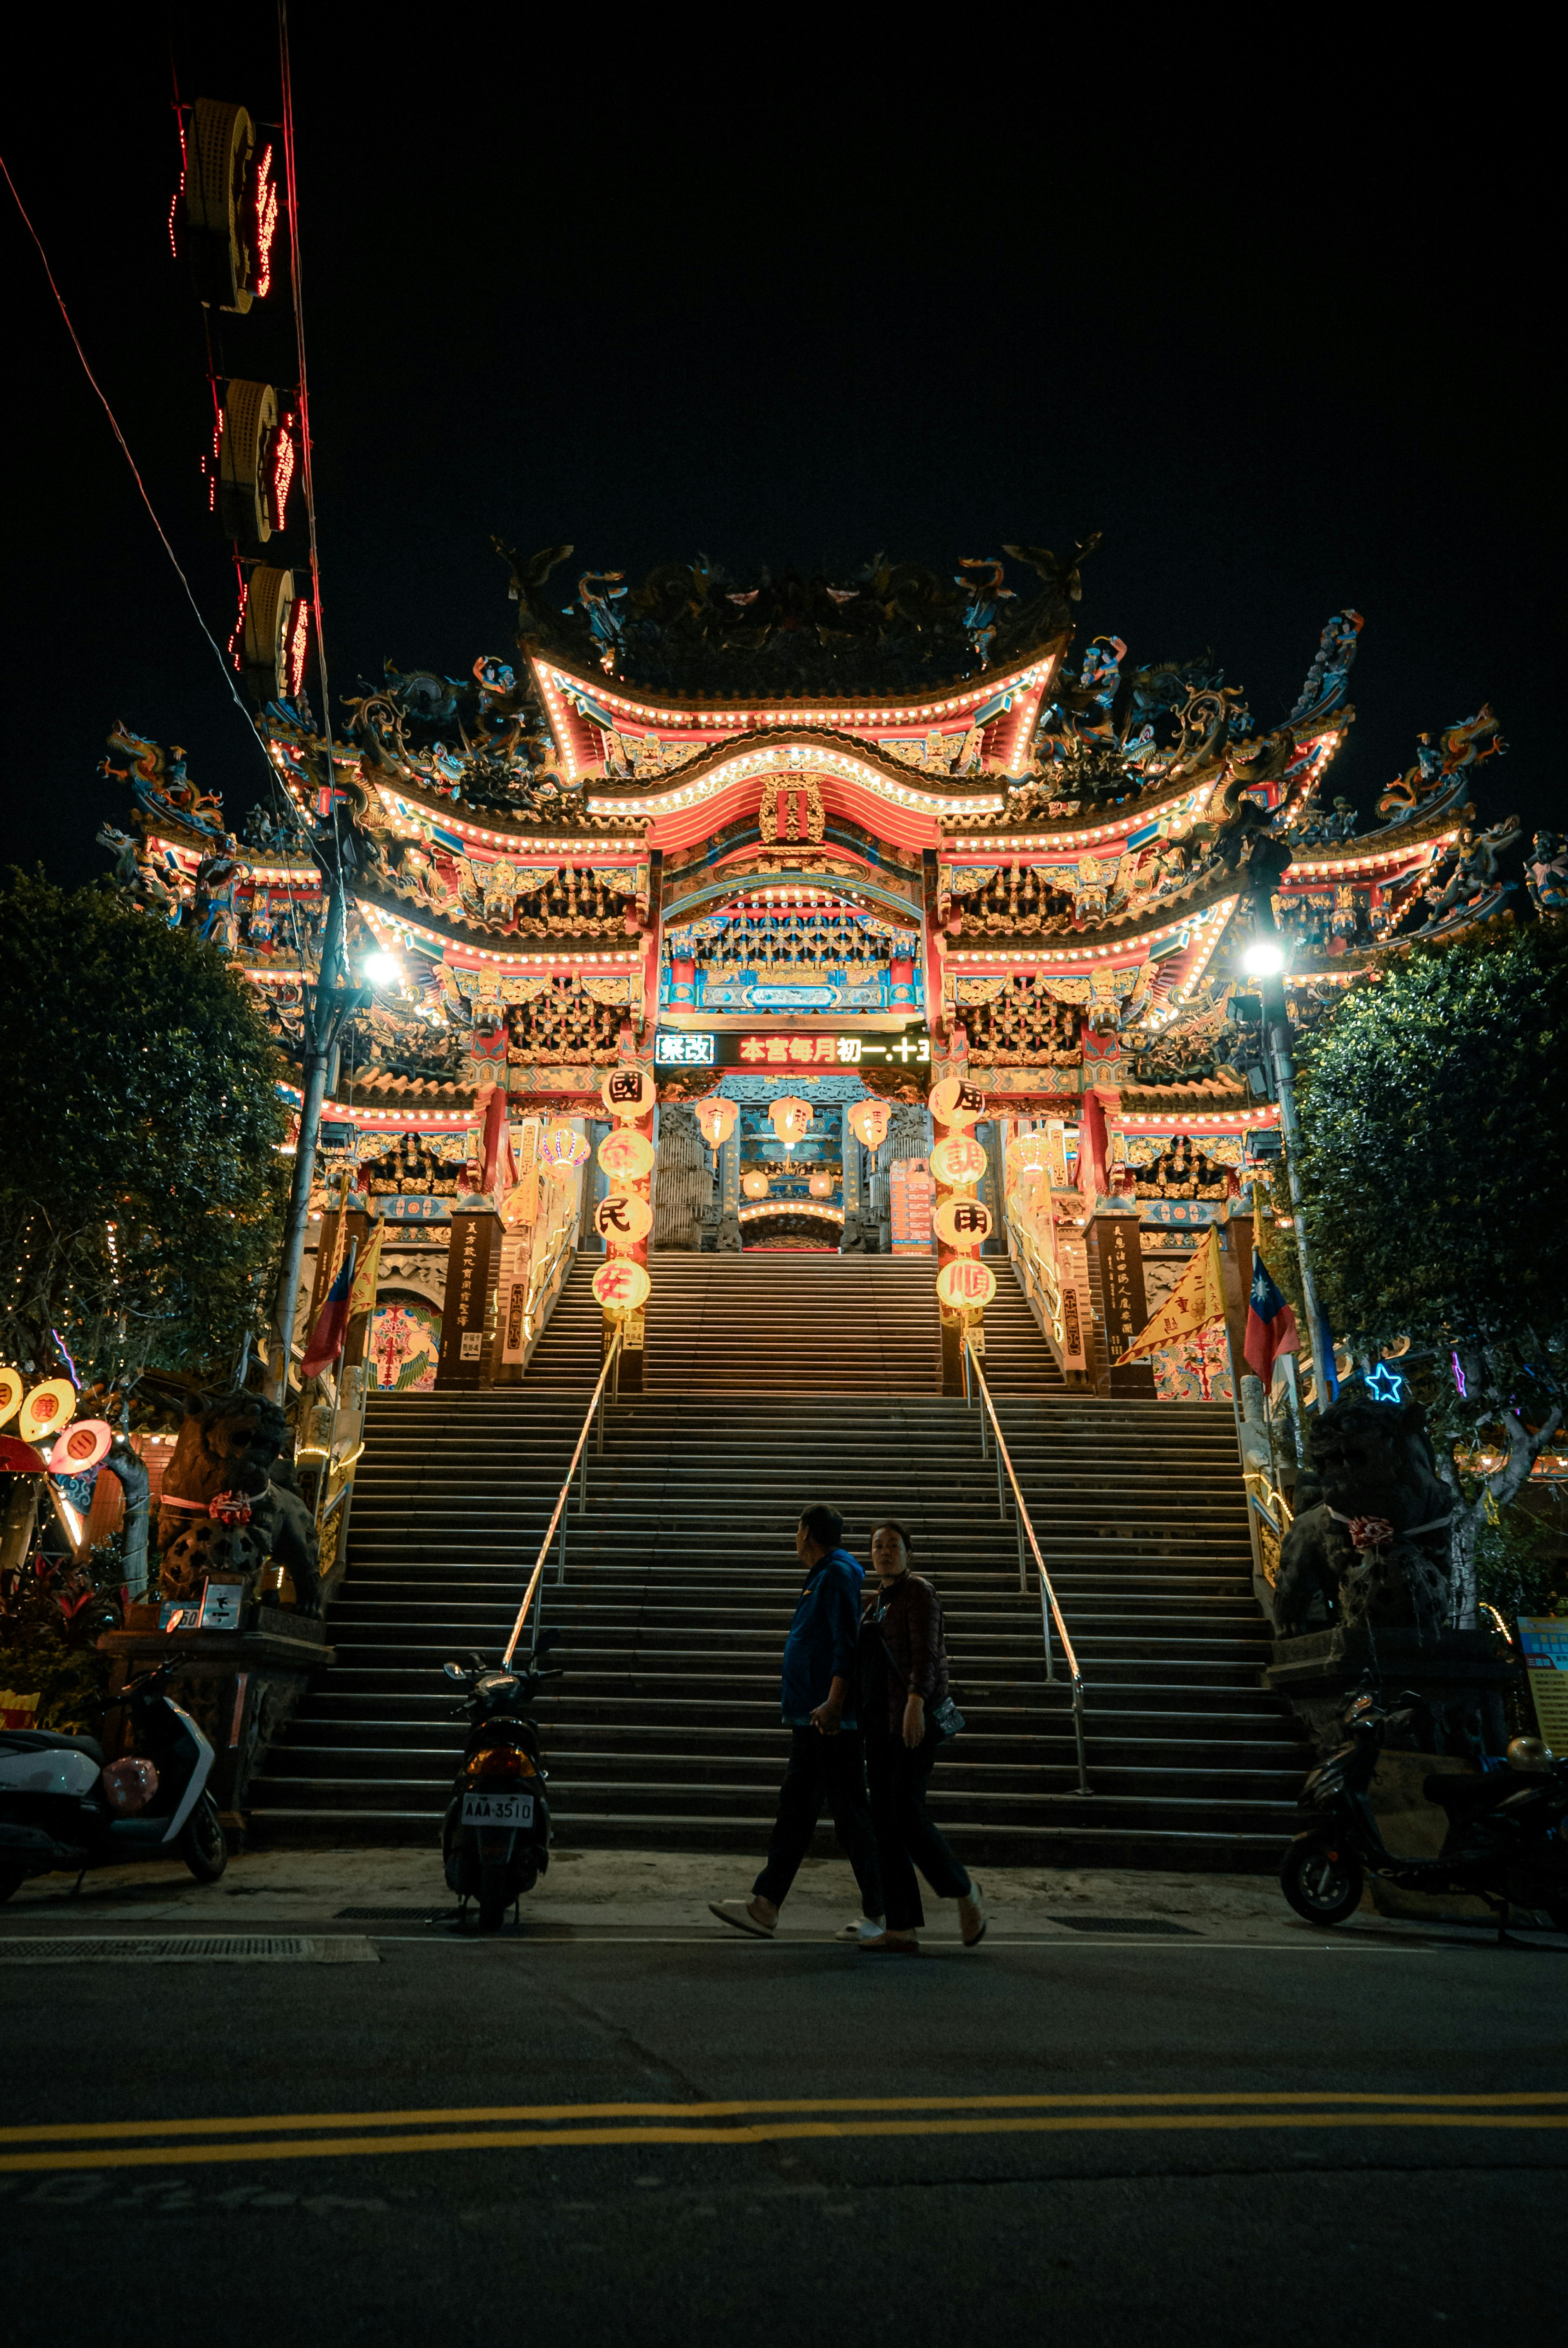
(879, 1048)
(622, 1219)
(1122, 1299)
(681, 1051)
(466, 1312)
(621, 1285)
(963, 1222)
(966, 1282)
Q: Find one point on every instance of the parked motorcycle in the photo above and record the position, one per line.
(1507, 1837)
(62, 1806)
(495, 1836)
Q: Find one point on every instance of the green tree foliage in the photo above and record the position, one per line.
(1434, 1133)
(140, 1184)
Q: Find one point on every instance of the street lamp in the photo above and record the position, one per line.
(1264, 959)
(381, 969)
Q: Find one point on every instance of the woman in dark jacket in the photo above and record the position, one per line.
(903, 1681)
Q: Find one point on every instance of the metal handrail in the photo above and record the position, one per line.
(1050, 1610)
(558, 1514)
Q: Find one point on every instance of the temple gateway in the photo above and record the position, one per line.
(830, 988)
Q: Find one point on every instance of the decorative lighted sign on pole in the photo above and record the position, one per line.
(963, 1223)
(964, 1285)
(957, 1103)
(628, 1092)
(623, 1285)
(626, 1155)
(623, 1219)
(959, 1162)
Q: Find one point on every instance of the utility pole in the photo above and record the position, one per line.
(1264, 960)
(333, 1004)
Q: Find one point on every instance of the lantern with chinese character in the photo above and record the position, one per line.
(623, 1219)
(868, 1122)
(966, 1285)
(954, 1102)
(562, 1151)
(716, 1121)
(755, 1183)
(820, 1186)
(46, 1409)
(12, 1388)
(628, 1092)
(790, 1119)
(1028, 1153)
(962, 1222)
(626, 1154)
(82, 1448)
(621, 1285)
(957, 1161)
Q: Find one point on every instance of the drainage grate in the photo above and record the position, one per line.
(251, 1948)
(1143, 1928)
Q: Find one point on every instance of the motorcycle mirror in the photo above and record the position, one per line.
(455, 1671)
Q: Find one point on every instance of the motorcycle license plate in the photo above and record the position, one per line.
(497, 1810)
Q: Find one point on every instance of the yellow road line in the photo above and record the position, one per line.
(96, 2130)
(172, 2156)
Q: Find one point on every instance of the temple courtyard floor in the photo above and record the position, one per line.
(1149, 2108)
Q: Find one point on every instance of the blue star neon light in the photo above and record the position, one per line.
(1386, 1384)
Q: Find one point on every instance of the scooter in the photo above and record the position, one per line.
(61, 1806)
(1506, 1843)
(496, 1835)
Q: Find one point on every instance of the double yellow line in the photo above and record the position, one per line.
(316, 2136)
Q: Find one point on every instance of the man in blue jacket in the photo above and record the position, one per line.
(826, 1760)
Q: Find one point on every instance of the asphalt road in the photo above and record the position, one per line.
(1316, 2138)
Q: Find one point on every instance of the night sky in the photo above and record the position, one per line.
(705, 290)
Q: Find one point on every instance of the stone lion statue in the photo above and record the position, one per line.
(237, 1444)
(1375, 1547)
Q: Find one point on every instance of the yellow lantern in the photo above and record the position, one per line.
(628, 1092)
(12, 1388)
(562, 1151)
(716, 1121)
(790, 1119)
(820, 1186)
(46, 1409)
(755, 1184)
(623, 1285)
(868, 1122)
(957, 1161)
(626, 1154)
(954, 1102)
(1028, 1153)
(962, 1222)
(623, 1219)
(966, 1283)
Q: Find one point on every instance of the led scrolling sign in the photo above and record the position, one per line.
(690, 1048)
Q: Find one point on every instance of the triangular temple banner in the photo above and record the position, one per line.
(1197, 1299)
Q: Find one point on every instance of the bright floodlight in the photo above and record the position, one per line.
(381, 969)
(1263, 959)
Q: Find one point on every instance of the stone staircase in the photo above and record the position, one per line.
(680, 1580)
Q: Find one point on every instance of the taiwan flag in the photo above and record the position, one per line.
(331, 1323)
(1270, 1323)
